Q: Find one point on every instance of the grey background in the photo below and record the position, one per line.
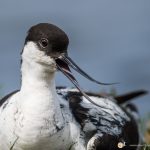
(109, 39)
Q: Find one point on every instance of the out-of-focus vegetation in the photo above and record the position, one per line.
(145, 129)
(145, 124)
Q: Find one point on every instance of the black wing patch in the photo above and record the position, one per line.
(79, 112)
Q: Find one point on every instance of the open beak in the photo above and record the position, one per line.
(63, 62)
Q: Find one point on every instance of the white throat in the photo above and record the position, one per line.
(38, 70)
(36, 75)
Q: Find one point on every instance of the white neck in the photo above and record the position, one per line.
(35, 76)
(38, 97)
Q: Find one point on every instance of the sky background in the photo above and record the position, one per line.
(109, 39)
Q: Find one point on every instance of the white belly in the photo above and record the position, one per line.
(60, 140)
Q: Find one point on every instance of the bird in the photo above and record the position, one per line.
(42, 116)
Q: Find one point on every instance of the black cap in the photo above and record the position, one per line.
(49, 38)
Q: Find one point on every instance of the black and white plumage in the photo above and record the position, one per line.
(41, 117)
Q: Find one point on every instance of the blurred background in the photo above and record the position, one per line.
(109, 39)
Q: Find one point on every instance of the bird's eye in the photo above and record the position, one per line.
(44, 42)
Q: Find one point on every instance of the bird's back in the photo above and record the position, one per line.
(102, 127)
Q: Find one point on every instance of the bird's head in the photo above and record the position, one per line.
(46, 44)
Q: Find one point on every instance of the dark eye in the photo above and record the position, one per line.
(44, 42)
